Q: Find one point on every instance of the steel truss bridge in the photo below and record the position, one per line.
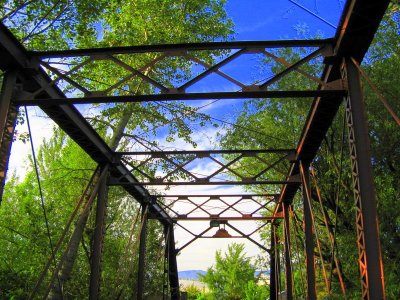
(32, 79)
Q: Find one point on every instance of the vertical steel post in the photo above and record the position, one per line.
(273, 291)
(278, 268)
(142, 254)
(308, 230)
(172, 265)
(166, 274)
(288, 265)
(370, 258)
(8, 117)
(97, 248)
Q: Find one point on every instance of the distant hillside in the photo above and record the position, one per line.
(190, 274)
(193, 274)
(265, 273)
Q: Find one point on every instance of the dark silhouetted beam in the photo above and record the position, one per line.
(177, 48)
(242, 218)
(181, 96)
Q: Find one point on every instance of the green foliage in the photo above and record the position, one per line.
(232, 277)
(61, 24)
(64, 172)
(193, 292)
(22, 223)
(256, 292)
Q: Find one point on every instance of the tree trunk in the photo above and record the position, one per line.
(69, 257)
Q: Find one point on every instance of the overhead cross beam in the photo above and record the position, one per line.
(249, 166)
(248, 207)
(301, 95)
(226, 222)
(180, 48)
(70, 67)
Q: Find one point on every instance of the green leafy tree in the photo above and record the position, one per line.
(232, 277)
(64, 169)
(193, 291)
(256, 292)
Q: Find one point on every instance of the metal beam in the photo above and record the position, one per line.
(141, 162)
(173, 48)
(292, 68)
(273, 290)
(308, 231)
(13, 54)
(172, 264)
(288, 262)
(196, 237)
(247, 236)
(370, 256)
(25, 100)
(8, 117)
(142, 254)
(206, 153)
(242, 196)
(220, 218)
(249, 181)
(97, 247)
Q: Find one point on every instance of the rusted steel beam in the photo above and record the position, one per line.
(142, 255)
(172, 263)
(222, 218)
(309, 233)
(273, 282)
(287, 254)
(179, 96)
(243, 196)
(249, 181)
(182, 47)
(98, 240)
(367, 227)
(8, 117)
(206, 153)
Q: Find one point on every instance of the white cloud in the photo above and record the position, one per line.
(200, 255)
(41, 127)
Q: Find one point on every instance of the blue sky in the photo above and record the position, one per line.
(269, 19)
